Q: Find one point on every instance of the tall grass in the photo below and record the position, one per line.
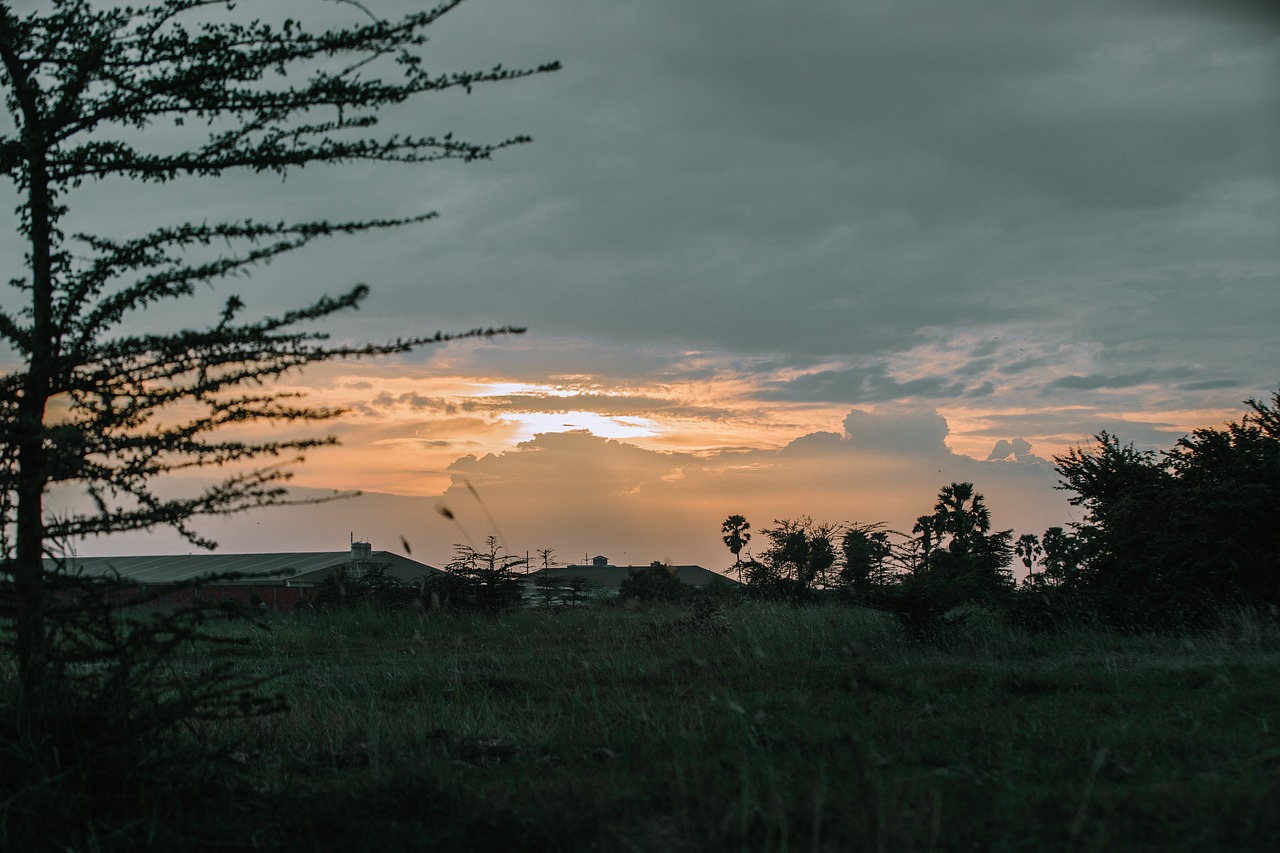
(767, 727)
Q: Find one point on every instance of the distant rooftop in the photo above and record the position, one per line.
(607, 576)
(296, 566)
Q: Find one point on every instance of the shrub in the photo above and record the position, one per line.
(654, 583)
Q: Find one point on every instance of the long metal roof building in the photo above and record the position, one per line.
(604, 575)
(282, 569)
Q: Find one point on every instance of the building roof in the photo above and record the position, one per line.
(611, 577)
(303, 567)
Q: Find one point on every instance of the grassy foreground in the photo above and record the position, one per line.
(768, 728)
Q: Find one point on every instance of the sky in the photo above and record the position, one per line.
(774, 259)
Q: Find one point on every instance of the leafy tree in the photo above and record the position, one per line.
(928, 605)
(736, 537)
(1167, 540)
(655, 582)
(1229, 517)
(972, 569)
(756, 576)
(152, 94)
(991, 557)
(1061, 553)
(1051, 597)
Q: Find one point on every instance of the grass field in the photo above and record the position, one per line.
(766, 728)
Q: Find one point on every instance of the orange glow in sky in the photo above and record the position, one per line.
(647, 470)
(921, 244)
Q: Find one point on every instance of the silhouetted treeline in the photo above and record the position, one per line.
(1169, 540)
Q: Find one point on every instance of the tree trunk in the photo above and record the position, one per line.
(30, 589)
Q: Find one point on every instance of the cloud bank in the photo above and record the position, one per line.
(584, 494)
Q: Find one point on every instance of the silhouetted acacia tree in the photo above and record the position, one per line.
(153, 93)
(486, 578)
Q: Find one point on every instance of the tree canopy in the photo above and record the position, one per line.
(1167, 539)
(104, 400)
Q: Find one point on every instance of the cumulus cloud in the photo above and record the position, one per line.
(584, 492)
(578, 492)
(1018, 448)
(897, 429)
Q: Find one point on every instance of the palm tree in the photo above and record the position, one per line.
(963, 513)
(1028, 549)
(736, 537)
(930, 536)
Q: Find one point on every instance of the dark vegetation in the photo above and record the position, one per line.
(654, 583)
(769, 727)
(1169, 539)
(102, 402)
(1168, 542)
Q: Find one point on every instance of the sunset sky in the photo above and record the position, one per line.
(777, 259)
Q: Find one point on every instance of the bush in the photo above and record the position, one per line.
(106, 745)
(1169, 540)
(654, 583)
(372, 587)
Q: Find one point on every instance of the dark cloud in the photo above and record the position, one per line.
(891, 167)
(1022, 365)
(610, 404)
(1265, 12)
(977, 366)
(1210, 385)
(986, 389)
(1077, 426)
(1103, 174)
(1092, 383)
(861, 385)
